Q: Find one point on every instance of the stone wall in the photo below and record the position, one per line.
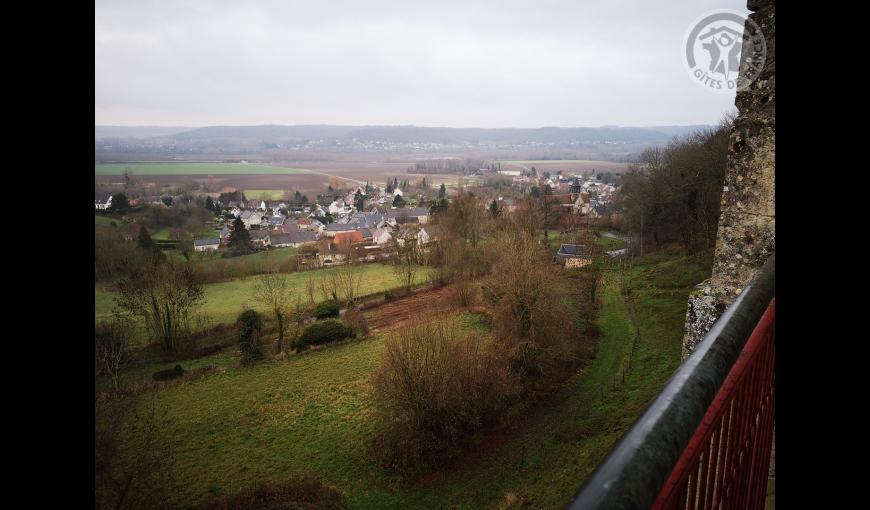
(746, 232)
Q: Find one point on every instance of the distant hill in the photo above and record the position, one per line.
(402, 134)
(101, 132)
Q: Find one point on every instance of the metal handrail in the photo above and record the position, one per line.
(634, 472)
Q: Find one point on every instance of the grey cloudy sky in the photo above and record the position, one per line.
(437, 63)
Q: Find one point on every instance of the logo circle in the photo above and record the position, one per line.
(724, 51)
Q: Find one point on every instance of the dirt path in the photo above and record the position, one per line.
(397, 313)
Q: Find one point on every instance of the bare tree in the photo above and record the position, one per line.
(406, 263)
(273, 291)
(164, 296)
(111, 339)
(133, 466)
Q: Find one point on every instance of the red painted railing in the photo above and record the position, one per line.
(726, 462)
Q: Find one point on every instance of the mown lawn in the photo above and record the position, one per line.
(180, 168)
(223, 301)
(310, 414)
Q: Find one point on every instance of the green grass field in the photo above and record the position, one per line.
(191, 169)
(264, 194)
(104, 220)
(310, 414)
(223, 301)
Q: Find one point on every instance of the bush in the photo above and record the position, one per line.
(462, 294)
(249, 325)
(168, 374)
(324, 310)
(357, 321)
(434, 390)
(322, 332)
(295, 494)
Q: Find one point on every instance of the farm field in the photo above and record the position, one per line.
(310, 414)
(191, 169)
(223, 301)
(568, 165)
(264, 194)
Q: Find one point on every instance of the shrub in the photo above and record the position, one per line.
(529, 310)
(324, 310)
(133, 461)
(249, 325)
(322, 332)
(295, 494)
(357, 321)
(168, 374)
(434, 390)
(288, 265)
(462, 294)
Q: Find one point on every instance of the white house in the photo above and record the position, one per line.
(381, 236)
(206, 244)
(251, 218)
(102, 203)
(428, 234)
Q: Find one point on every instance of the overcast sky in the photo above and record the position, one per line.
(456, 63)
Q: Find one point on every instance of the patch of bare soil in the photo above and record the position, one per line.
(390, 315)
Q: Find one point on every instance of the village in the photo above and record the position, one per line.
(369, 223)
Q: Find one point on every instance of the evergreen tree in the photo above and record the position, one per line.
(240, 239)
(119, 202)
(359, 201)
(147, 245)
(209, 203)
(144, 241)
(493, 209)
(442, 193)
(398, 201)
(389, 187)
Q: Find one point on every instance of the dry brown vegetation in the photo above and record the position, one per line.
(435, 389)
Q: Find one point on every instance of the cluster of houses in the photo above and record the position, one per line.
(586, 196)
(373, 234)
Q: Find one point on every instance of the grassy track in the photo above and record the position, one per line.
(191, 169)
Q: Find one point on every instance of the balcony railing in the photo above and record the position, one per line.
(705, 441)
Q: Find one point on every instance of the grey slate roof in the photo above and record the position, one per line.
(341, 227)
(302, 237)
(573, 250)
(256, 235)
(276, 239)
(206, 242)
